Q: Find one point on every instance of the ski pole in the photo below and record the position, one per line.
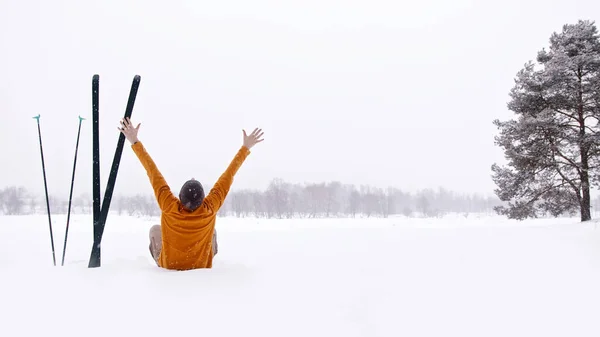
(46, 188)
(71, 192)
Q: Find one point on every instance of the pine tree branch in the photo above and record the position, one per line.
(570, 161)
(569, 181)
(566, 114)
(556, 151)
(538, 195)
(592, 131)
(564, 163)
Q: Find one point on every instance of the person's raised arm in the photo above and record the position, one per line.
(215, 198)
(162, 192)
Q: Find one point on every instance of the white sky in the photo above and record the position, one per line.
(398, 93)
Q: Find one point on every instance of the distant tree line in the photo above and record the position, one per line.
(282, 200)
(17, 200)
(279, 200)
(334, 199)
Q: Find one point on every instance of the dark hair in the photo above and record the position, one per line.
(191, 194)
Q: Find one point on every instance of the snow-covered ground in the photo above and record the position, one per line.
(337, 277)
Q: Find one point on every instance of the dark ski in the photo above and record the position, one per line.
(96, 157)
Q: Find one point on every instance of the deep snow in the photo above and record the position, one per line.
(336, 277)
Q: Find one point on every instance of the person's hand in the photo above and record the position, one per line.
(129, 131)
(253, 139)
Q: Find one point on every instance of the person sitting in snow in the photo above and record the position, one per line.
(186, 237)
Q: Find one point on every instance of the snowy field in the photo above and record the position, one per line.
(336, 277)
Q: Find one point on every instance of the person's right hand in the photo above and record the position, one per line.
(129, 131)
(253, 139)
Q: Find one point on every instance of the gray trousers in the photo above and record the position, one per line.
(155, 247)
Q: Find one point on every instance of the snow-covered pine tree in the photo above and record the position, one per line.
(552, 146)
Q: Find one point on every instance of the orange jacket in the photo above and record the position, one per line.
(187, 236)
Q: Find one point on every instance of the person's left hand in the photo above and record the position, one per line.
(129, 131)
(253, 139)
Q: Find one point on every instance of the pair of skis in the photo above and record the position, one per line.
(100, 212)
(46, 189)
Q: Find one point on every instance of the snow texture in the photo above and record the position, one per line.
(337, 277)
